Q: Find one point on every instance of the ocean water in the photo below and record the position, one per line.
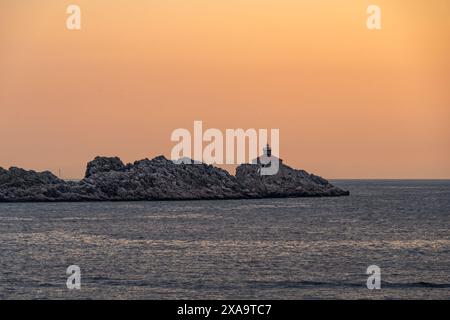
(304, 248)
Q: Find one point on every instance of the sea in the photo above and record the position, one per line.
(292, 248)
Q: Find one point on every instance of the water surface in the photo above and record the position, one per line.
(304, 248)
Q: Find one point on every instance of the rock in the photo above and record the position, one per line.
(287, 182)
(108, 179)
(103, 164)
(21, 185)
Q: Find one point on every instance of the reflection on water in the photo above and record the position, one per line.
(272, 248)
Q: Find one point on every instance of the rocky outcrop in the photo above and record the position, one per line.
(103, 164)
(21, 185)
(108, 179)
(287, 182)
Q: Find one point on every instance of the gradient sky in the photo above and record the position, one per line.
(349, 102)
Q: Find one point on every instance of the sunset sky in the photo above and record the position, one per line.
(349, 102)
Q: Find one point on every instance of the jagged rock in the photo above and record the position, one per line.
(21, 185)
(288, 182)
(108, 179)
(103, 164)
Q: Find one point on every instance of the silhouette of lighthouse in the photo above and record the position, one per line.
(266, 158)
(267, 151)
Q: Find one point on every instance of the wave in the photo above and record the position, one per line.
(342, 284)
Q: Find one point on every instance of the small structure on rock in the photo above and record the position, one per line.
(266, 159)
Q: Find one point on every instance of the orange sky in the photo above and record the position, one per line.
(349, 102)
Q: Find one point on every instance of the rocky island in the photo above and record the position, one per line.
(109, 179)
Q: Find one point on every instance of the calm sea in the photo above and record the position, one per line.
(257, 249)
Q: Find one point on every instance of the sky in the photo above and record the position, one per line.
(349, 102)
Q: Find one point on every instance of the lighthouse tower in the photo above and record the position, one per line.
(267, 151)
(266, 158)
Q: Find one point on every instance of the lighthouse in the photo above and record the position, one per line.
(266, 158)
(267, 151)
